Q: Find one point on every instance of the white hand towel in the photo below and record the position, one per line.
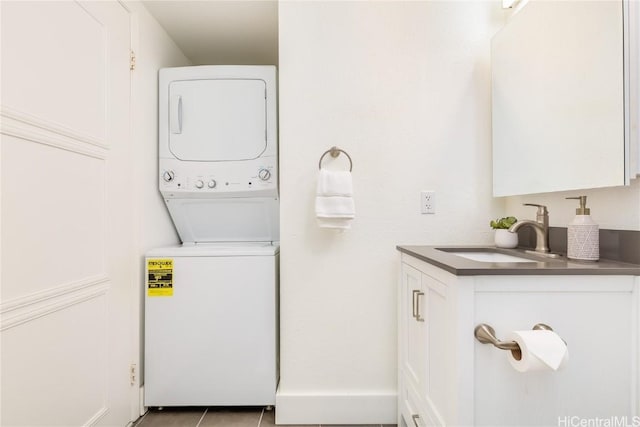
(334, 183)
(342, 224)
(334, 202)
(335, 207)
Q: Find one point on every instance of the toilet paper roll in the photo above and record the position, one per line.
(539, 350)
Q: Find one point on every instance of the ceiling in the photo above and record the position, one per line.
(214, 32)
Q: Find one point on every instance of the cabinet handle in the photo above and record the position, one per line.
(416, 305)
(413, 303)
(415, 418)
(418, 317)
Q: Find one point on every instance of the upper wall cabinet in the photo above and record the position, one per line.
(560, 78)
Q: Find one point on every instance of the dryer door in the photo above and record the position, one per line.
(217, 120)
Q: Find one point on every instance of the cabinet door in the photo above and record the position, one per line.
(597, 319)
(437, 357)
(424, 351)
(412, 333)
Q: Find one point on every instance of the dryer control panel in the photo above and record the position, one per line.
(257, 178)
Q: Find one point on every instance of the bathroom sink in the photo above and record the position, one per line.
(485, 255)
(490, 257)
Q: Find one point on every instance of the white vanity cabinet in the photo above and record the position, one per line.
(447, 377)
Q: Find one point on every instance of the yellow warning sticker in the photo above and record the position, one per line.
(160, 277)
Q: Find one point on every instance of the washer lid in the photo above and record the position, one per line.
(216, 250)
(217, 119)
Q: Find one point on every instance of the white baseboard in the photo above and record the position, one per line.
(351, 408)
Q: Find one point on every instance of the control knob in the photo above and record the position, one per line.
(199, 183)
(212, 183)
(264, 174)
(168, 176)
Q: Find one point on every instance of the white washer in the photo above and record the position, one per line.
(211, 305)
(213, 339)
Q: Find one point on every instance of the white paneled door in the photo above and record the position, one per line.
(67, 237)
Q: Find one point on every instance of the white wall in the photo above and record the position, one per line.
(154, 50)
(404, 88)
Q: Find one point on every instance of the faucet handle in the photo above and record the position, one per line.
(542, 209)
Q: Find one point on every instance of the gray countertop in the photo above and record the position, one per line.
(539, 265)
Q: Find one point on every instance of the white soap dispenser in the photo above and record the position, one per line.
(583, 234)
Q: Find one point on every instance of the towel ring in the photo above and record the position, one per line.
(335, 152)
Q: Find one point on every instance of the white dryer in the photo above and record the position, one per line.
(211, 318)
(218, 152)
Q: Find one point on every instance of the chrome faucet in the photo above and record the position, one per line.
(540, 226)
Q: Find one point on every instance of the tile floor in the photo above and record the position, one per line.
(215, 417)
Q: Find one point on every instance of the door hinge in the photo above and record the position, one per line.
(132, 60)
(132, 373)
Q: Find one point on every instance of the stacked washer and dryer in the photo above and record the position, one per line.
(211, 304)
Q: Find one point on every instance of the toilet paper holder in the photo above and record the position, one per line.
(487, 335)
